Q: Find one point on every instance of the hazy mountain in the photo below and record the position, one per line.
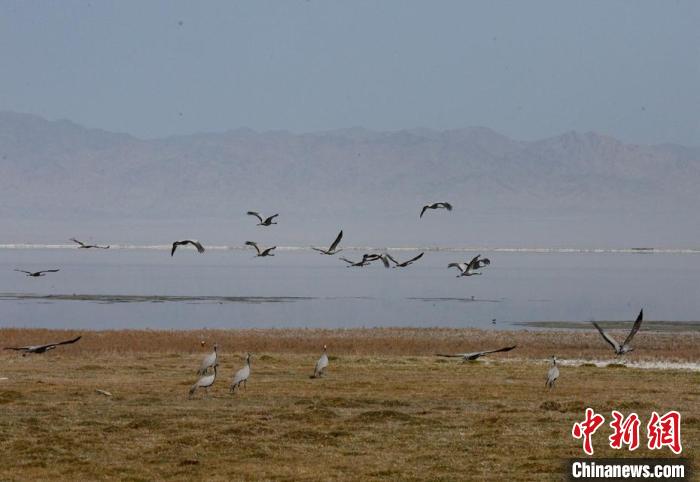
(58, 179)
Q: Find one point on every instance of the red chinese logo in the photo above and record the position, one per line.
(587, 428)
(665, 431)
(625, 432)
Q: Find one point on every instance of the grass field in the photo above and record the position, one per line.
(387, 409)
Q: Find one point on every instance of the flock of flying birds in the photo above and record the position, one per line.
(208, 368)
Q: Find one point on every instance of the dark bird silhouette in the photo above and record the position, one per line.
(366, 260)
(332, 250)
(266, 222)
(467, 269)
(196, 244)
(447, 206)
(41, 348)
(625, 347)
(476, 354)
(405, 263)
(37, 274)
(266, 252)
(88, 246)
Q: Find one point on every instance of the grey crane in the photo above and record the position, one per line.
(184, 242)
(37, 274)
(552, 374)
(88, 246)
(332, 249)
(467, 269)
(211, 360)
(447, 206)
(405, 263)
(266, 222)
(625, 347)
(41, 348)
(241, 376)
(205, 382)
(263, 253)
(321, 364)
(366, 260)
(476, 354)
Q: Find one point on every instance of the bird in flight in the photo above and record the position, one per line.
(266, 221)
(366, 260)
(196, 244)
(37, 274)
(447, 206)
(332, 250)
(476, 354)
(88, 246)
(41, 348)
(625, 347)
(265, 252)
(467, 269)
(405, 263)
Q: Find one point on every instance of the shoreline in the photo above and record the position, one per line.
(650, 346)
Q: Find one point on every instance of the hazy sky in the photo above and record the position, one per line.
(527, 69)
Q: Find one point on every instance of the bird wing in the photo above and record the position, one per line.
(391, 258)
(460, 266)
(22, 271)
(253, 244)
(607, 337)
(271, 218)
(406, 263)
(347, 260)
(507, 348)
(384, 260)
(474, 262)
(49, 271)
(457, 355)
(423, 210)
(267, 251)
(175, 245)
(17, 348)
(76, 241)
(67, 342)
(253, 213)
(318, 249)
(336, 242)
(447, 206)
(198, 245)
(635, 328)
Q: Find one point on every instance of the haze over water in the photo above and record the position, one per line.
(229, 288)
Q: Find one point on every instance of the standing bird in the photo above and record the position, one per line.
(88, 246)
(211, 360)
(266, 222)
(266, 252)
(332, 250)
(552, 374)
(447, 206)
(625, 347)
(321, 364)
(205, 382)
(37, 274)
(405, 263)
(196, 244)
(41, 348)
(241, 376)
(476, 354)
(466, 269)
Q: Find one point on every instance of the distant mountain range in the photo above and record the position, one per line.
(59, 179)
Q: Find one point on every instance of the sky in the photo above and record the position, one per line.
(529, 70)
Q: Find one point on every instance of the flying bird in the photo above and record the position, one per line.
(405, 263)
(625, 347)
(88, 246)
(196, 244)
(266, 222)
(211, 360)
(266, 252)
(241, 376)
(552, 374)
(467, 269)
(321, 364)
(41, 348)
(205, 382)
(366, 260)
(37, 274)
(476, 354)
(332, 250)
(447, 206)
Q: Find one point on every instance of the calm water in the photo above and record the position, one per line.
(231, 289)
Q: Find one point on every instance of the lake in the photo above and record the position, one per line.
(229, 288)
